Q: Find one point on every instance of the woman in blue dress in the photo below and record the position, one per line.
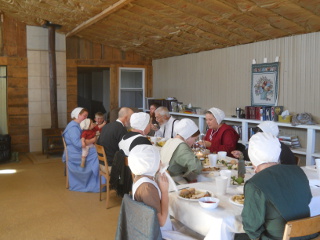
(80, 179)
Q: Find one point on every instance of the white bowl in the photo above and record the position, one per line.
(209, 202)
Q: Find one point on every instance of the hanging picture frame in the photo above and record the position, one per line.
(265, 84)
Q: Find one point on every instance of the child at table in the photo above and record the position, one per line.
(144, 163)
(89, 131)
(99, 121)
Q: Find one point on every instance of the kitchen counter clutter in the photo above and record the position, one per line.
(309, 150)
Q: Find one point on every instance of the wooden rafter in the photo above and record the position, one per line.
(113, 8)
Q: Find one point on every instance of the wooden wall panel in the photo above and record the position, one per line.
(14, 38)
(18, 112)
(93, 55)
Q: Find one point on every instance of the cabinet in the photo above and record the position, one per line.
(311, 130)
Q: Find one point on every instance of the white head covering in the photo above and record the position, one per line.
(139, 120)
(75, 112)
(186, 128)
(144, 160)
(85, 124)
(218, 114)
(269, 127)
(264, 148)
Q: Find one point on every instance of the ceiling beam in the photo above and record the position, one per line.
(111, 9)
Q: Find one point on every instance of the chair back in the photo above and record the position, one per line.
(137, 221)
(102, 157)
(297, 160)
(66, 164)
(302, 227)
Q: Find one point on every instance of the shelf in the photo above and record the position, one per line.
(309, 151)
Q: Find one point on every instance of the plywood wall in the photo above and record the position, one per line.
(222, 78)
(13, 54)
(83, 53)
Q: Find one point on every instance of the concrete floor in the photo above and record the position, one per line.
(35, 205)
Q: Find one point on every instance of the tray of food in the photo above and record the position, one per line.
(210, 169)
(192, 194)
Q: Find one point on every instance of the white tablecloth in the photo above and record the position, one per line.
(224, 221)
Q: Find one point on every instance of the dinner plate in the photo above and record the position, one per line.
(197, 192)
(312, 167)
(235, 203)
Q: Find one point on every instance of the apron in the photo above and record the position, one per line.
(125, 144)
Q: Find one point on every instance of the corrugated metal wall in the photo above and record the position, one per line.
(222, 78)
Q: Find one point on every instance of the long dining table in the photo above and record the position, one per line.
(225, 220)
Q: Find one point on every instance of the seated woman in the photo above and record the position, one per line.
(140, 126)
(154, 124)
(80, 179)
(220, 136)
(276, 194)
(286, 155)
(178, 155)
(152, 189)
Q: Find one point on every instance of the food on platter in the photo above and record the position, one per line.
(192, 193)
(210, 169)
(161, 143)
(238, 199)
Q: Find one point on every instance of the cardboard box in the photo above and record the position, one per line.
(285, 119)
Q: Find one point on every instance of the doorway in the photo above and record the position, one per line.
(94, 90)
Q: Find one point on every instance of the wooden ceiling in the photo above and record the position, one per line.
(165, 28)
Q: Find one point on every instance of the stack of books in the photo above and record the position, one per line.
(263, 113)
(290, 141)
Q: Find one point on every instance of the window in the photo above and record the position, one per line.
(3, 100)
(131, 87)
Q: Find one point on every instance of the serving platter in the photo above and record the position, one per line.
(197, 191)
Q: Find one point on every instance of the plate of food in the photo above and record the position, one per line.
(210, 169)
(192, 194)
(237, 200)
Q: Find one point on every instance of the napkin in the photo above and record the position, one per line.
(314, 183)
(172, 184)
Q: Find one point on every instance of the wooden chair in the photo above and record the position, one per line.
(66, 163)
(297, 160)
(106, 174)
(302, 227)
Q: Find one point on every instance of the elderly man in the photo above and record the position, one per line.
(167, 123)
(276, 194)
(113, 132)
(140, 126)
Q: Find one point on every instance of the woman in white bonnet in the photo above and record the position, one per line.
(220, 136)
(286, 155)
(276, 194)
(184, 166)
(144, 162)
(80, 179)
(140, 126)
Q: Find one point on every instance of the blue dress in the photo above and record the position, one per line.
(80, 179)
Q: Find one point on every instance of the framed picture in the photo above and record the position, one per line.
(264, 84)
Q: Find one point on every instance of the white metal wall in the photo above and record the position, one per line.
(222, 78)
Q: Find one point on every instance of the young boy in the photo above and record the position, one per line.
(100, 122)
(89, 131)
